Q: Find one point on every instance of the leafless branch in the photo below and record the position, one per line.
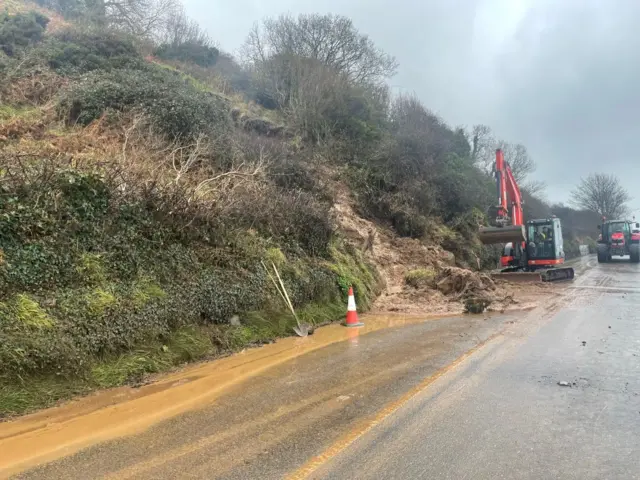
(329, 39)
(603, 194)
(230, 179)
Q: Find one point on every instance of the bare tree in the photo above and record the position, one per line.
(601, 193)
(142, 18)
(316, 98)
(483, 146)
(146, 19)
(521, 163)
(182, 39)
(536, 188)
(419, 134)
(330, 39)
(483, 152)
(179, 29)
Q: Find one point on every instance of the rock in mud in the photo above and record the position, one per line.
(476, 305)
(453, 280)
(447, 258)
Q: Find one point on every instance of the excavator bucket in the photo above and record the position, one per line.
(493, 235)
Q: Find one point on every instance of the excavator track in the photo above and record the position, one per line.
(550, 275)
(517, 276)
(557, 274)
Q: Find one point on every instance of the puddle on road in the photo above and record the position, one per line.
(61, 431)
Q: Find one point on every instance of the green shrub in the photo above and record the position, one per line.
(238, 78)
(351, 270)
(275, 256)
(194, 52)
(422, 277)
(297, 218)
(5, 61)
(146, 290)
(29, 314)
(461, 188)
(307, 284)
(175, 107)
(291, 174)
(379, 198)
(489, 256)
(571, 248)
(90, 269)
(420, 172)
(221, 294)
(20, 31)
(77, 51)
(37, 231)
(68, 8)
(31, 340)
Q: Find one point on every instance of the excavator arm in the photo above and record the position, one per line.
(509, 218)
(509, 196)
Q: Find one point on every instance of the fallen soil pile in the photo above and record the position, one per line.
(423, 279)
(461, 283)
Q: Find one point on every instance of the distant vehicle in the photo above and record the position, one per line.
(618, 238)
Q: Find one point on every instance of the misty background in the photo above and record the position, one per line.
(559, 77)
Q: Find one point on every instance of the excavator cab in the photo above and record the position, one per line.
(542, 250)
(543, 244)
(545, 247)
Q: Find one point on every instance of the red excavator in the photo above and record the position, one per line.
(535, 247)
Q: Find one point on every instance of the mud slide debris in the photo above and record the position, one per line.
(423, 279)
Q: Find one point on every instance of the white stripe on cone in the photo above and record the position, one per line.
(351, 304)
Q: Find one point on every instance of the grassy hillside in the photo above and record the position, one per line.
(135, 215)
(146, 181)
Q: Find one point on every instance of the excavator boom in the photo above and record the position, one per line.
(508, 224)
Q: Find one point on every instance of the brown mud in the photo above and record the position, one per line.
(63, 430)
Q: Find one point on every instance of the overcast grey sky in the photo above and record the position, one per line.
(560, 76)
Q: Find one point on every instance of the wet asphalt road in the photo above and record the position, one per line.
(482, 401)
(269, 426)
(503, 414)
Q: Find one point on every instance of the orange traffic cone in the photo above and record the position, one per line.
(352, 313)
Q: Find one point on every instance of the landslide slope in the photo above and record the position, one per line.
(144, 203)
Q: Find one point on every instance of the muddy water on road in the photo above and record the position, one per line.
(287, 414)
(61, 431)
